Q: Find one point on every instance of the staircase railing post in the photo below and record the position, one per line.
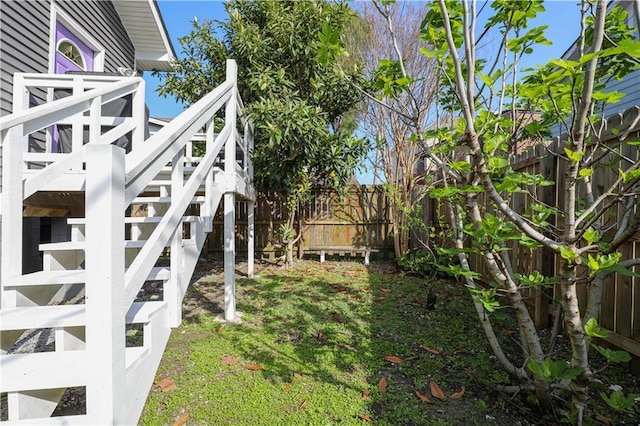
(250, 237)
(104, 264)
(138, 114)
(229, 199)
(209, 209)
(12, 198)
(175, 283)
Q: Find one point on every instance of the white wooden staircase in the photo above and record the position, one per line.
(89, 289)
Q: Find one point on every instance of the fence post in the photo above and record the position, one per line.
(104, 264)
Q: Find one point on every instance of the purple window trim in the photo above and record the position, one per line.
(88, 55)
(64, 64)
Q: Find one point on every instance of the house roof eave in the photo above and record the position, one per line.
(146, 29)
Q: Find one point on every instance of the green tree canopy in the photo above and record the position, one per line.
(295, 102)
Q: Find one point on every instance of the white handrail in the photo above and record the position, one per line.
(42, 116)
(146, 259)
(144, 165)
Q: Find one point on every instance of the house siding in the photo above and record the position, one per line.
(100, 19)
(630, 86)
(24, 40)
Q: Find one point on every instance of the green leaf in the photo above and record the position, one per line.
(574, 156)
(486, 297)
(591, 235)
(529, 242)
(618, 401)
(551, 371)
(592, 329)
(567, 253)
(619, 269)
(584, 173)
(615, 357)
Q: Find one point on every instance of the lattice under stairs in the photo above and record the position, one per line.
(128, 259)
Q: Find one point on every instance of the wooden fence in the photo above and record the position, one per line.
(360, 219)
(620, 311)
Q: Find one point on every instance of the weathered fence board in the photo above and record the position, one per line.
(620, 310)
(360, 219)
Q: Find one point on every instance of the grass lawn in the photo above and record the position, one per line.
(337, 343)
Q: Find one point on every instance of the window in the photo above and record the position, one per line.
(71, 51)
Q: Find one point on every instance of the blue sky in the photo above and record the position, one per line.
(562, 16)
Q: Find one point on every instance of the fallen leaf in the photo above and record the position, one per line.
(433, 351)
(336, 318)
(167, 385)
(392, 358)
(297, 376)
(228, 360)
(384, 290)
(319, 336)
(253, 367)
(182, 420)
(303, 405)
(411, 358)
(365, 417)
(378, 298)
(365, 393)
(416, 303)
(436, 391)
(422, 396)
(603, 419)
(287, 388)
(382, 386)
(342, 291)
(458, 394)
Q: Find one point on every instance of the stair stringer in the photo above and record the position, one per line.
(32, 405)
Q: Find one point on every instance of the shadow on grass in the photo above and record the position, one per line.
(312, 348)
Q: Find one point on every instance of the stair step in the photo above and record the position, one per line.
(136, 219)
(80, 245)
(82, 419)
(35, 317)
(144, 312)
(44, 370)
(135, 356)
(165, 200)
(158, 273)
(49, 370)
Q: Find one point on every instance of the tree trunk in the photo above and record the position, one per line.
(575, 331)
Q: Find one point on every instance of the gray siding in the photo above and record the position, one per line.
(630, 86)
(99, 18)
(24, 40)
(24, 35)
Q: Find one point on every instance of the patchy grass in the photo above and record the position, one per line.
(337, 343)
